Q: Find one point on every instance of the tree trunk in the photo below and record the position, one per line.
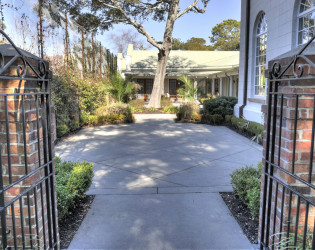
(155, 100)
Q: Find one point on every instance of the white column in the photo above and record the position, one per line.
(231, 85)
(221, 86)
(212, 88)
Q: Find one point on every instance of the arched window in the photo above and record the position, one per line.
(306, 21)
(260, 56)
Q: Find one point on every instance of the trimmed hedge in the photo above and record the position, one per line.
(253, 128)
(72, 181)
(223, 106)
(246, 185)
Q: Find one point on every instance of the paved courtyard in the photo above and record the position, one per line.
(157, 184)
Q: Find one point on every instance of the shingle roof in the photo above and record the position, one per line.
(180, 59)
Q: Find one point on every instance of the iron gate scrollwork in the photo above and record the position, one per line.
(27, 192)
(288, 200)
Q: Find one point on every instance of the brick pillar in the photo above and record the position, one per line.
(23, 148)
(295, 137)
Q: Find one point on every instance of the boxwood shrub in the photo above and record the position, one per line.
(246, 185)
(223, 106)
(73, 179)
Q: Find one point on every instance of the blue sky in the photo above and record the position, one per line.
(190, 25)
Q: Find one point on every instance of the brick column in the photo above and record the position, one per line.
(293, 155)
(23, 148)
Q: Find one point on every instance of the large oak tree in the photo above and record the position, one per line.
(105, 13)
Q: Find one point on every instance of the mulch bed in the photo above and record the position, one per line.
(243, 216)
(70, 225)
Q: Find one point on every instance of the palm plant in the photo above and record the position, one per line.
(189, 90)
(121, 88)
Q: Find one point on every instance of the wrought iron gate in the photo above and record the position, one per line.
(27, 193)
(288, 205)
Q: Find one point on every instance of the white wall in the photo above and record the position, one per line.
(281, 38)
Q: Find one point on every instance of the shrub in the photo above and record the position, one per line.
(213, 119)
(246, 185)
(220, 106)
(74, 125)
(253, 128)
(197, 117)
(187, 110)
(80, 178)
(121, 109)
(166, 102)
(93, 121)
(242, 181)
(228, 118)
(61, 130)
(171, 109)
(152, 109)
(84, 119)
(138, 105)
(253, 196)
(72, 181)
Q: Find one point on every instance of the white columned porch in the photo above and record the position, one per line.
(221, 86)
(231, 85)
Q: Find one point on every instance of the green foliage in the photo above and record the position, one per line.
(190, 91)
(74, 125)
(213, 119)
(187, 110)
(226, 35)
(72, 181)
(253, 128)
(110, 115)
(120, 89)
(74, 97)
(92, 95)
(63, 90)
(223, 106)
(228, 118)
(171, 109)
(253, 196)
(246, 184)
(166, 102)
(61, 130)
(84, 119)
(288, 242)
(151, 109)
(122, 109)
(193, 43)
(80, 179)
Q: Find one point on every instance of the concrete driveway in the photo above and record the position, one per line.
(157, 184)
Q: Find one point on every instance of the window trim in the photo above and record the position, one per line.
(301, 15)
(256, 36)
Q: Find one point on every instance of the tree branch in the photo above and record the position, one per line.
(204, 7)
(194, 6)
(132, 22)
(191, 6)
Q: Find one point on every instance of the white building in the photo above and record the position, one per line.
(216, 72)
(269, 28)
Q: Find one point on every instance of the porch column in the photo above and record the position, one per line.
(221, 86)
(212, 86)
(231, 85)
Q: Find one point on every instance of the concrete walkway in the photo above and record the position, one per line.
(157, 184)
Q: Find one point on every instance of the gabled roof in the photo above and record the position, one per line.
(180, 62)
(180, 59)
